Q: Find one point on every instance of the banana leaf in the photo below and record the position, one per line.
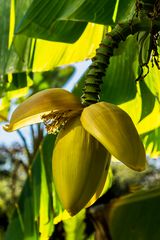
(34, 213)
(135, 216)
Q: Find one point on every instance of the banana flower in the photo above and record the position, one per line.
(87, 137)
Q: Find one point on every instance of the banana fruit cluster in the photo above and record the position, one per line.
(87, 138)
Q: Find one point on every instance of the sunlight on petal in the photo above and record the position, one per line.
(31, 110)
(115, 130)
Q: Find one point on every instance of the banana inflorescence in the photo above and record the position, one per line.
(87, 138)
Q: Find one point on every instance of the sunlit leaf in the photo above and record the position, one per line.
(148, 99)
(18, 85)
(133, 107)
(4, 32)
(39, 21)
(50, 54)
(4, 114)
(152, 80)
(46, 55)
(151, 121)
(151, 141)
(19, 54)
(75, 227)
(119, 83)
(16, 10)
(4, 107)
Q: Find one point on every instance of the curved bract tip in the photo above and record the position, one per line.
(41, 103)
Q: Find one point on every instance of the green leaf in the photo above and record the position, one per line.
(19, 46)
(126, 9)
(119, 83)
(27, 54)
(152, 80)
(19, 55)
(38, 55)
(19, 80)
(135, 216)
(152, 119)
(144, 44)
(22, 225)
(151, 142)
(148, 99)
(75, 227)
(18, 85)
(40, 22)
(50, 54)
(34, 212)
(60, 31)
(4, 32)
(45, 212)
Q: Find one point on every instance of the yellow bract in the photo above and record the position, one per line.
(44, 102)
(102, 183)
(113, 128)
(79, 163)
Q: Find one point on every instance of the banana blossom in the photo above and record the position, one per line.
(87, 137)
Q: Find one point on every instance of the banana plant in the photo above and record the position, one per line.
(89, 130)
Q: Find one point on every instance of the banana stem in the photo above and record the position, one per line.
(100, 62)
